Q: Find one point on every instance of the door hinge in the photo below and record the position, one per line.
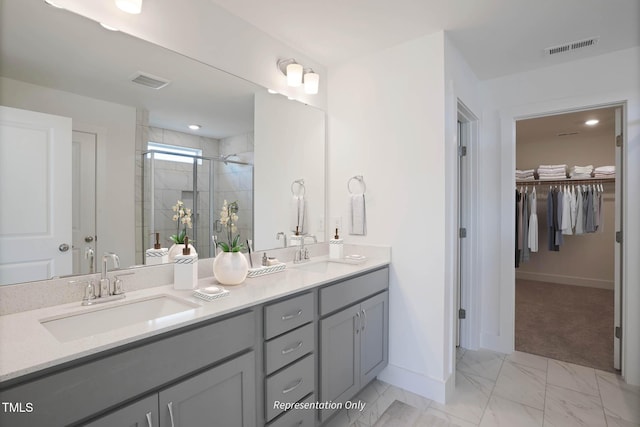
(462, 150)
(462, 313)
(618, 140)
(618, 332)
(462, 233)
(618, 236)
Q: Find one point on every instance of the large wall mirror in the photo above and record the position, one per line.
(132, 156)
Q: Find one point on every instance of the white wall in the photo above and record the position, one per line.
(204, 31)
(289, 145)
(386, 122)
(594, 81)
(116, 127)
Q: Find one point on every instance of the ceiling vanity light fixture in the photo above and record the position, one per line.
(311, 81)
(592, 122)
(133, 7)
(195, 127)
(297, 75)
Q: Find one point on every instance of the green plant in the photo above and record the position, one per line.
(228, 219)
(182, 217)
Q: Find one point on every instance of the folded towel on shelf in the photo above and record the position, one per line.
(553, 176)
(526, 174)
(582, 169)
(552, 167)
(552, 171)
(357, 215)
(605, 169)
(299, 214)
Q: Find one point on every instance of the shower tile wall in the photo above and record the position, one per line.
(235, 182)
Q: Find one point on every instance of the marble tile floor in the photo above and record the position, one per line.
(516, 390)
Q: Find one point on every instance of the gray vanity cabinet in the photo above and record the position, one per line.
(224, 396)
(354, 349)
(143, 413)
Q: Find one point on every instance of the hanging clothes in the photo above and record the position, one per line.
(558, 199)
(533, 222)
(552, 220)
(566, 212)
(524, 253)
(517, 253)
(580, 212)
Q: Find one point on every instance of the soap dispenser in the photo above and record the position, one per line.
(296, 239)
(157, 255)
(336, 247)
(185, 270)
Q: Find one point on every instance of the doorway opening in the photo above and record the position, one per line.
(567, 257)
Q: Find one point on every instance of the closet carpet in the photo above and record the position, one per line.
(564, 322)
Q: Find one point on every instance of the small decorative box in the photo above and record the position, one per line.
(261, 271)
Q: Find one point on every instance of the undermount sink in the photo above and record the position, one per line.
(104, 319)
(315, 266)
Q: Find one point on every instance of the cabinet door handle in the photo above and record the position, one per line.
(149, 421)
(170, 406)
(293, 387)
(292, 348)
(364, 315)
(357, 322)
(291, 316)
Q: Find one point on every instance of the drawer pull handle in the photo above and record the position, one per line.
(293, 387)
(292, 348)
(149, 422)
(357, 322)
(170, 406)
(364, 316)
(292, 316)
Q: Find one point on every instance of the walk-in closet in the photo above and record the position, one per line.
(565, 249)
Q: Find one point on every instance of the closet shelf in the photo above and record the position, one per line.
(564, 181)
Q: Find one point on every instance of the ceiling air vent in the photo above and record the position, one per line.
(571, 46)
(149, 80)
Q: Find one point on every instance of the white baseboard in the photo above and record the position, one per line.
(417, 383)
(496, 343)
(565, 280)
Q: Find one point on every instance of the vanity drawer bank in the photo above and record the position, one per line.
(224, 365)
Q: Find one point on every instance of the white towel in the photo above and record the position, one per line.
(357, 215)
(551, 167)
(299, 214)
(605, 169)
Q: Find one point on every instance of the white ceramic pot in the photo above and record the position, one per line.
(177, 248)
(230, 268)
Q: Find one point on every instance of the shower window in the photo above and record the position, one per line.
(182, 154)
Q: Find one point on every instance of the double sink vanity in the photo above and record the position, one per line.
(274, 351)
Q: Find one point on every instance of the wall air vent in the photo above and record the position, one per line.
(571, 46)
(149, 80)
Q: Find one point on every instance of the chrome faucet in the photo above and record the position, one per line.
(302, 254)
(284, 236)
(105, 283)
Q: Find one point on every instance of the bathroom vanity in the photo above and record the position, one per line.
(310, 334)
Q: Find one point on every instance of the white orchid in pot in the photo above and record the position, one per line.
(182, 217)
(230, 266)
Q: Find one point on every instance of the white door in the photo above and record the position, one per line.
(35, 195)
(617, 289)
(84, 202)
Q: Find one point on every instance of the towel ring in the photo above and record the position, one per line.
(301, 188)
(357, 178)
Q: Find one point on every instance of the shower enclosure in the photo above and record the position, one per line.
(202, 184)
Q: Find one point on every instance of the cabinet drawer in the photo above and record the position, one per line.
(347, 292)
(289, 347)
(286, 315)
(290, 385)
(302, 417)
(78, 392)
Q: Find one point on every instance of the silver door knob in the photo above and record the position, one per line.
(88, 239)
(63, 247)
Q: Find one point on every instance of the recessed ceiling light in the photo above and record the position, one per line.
(272, 92)
(194, 127)
(108, 27)
(592, 122)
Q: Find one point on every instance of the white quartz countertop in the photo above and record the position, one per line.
(26, 346)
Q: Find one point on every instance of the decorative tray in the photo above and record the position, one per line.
(261, 271)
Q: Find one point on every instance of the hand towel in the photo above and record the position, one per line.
(357, 215)
(299, 214)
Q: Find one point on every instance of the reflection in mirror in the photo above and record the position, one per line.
(88, 79)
